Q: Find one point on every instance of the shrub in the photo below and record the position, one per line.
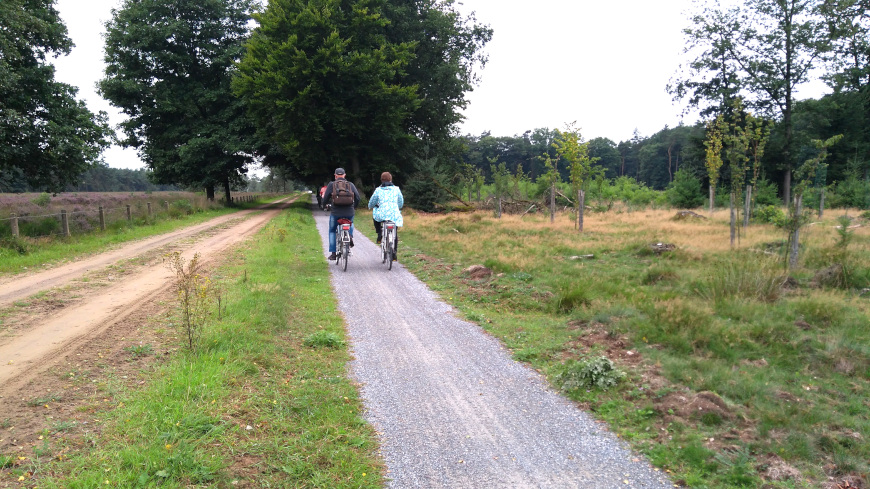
(744, 279)
(593, 373)
(569, 299)
(770, 214)
(323, 339)
(183, 206)
(15, 244)
(42, 200)
(765, 193)
(851, 192)
(685, 191)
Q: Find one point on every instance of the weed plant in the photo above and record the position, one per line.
(253, 406)
(786, 361)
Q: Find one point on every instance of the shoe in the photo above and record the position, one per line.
(331, 257)
(351, 242)
(395, 258)
(379, 241)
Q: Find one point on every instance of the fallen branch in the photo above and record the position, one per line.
(454, 194)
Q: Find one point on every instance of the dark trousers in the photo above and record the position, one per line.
(378, 230)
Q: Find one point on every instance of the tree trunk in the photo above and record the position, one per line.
(786, 187)
(553, 203)
(795, 234)
(227, 188)
(712, 198)
(733, 220)
(498, 207)
(746, 205)
(822, 203)
(209, 192)
(354, 168)
(581, 204)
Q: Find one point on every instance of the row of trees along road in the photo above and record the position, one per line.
(366, 84)
(357, 83)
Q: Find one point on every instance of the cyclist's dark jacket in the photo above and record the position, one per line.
(341, 210)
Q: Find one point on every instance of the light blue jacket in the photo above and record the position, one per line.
(386, 202)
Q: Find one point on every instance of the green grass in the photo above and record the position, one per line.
(59, 249)
(791, 366)
(260, 401)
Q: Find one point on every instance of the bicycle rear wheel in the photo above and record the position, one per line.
(345, 253)
(390, 249)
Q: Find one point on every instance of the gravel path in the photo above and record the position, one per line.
(451, 407)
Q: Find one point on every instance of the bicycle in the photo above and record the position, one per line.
(388, 243)
(342, 241)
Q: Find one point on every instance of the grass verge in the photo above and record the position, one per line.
(263, 402)
(737, 375)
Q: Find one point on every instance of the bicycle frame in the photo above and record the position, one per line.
(342, 236)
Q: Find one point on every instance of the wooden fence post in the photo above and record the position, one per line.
(14, 225)
(102, 219)
(129, 214)
(64, 221)
(149, 209)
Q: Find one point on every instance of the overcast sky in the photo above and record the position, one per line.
(603, 64)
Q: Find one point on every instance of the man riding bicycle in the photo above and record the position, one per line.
(386, 202)
(344, 198)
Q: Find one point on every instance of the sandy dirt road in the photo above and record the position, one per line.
(79, 301)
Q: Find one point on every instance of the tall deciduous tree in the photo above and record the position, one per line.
(766, 50)
(358, 83)
(712, 77)
(169, 69)
(46, 135)
(780, 44)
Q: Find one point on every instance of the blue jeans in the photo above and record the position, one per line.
(333, 222)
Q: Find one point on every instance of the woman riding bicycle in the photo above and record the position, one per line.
(386, 202)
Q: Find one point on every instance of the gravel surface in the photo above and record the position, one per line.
(451, 407)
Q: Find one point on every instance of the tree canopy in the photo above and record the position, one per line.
(364, 84)
(46, 135)
(169, 69)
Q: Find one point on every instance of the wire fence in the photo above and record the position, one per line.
(90, 219)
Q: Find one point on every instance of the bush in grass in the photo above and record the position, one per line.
(42, 200)
(183, 206)
(323, 339)
(597, 373)
(745, 279)
(766, 193)
(685, 191)
(770, 214)
(569, 299)
(15, 244)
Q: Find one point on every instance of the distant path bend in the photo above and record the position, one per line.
(451, 407)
